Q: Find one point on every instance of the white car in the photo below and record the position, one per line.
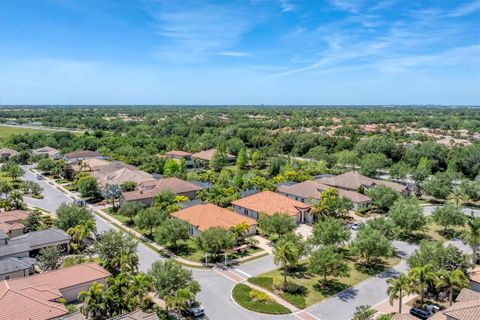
(356, 226)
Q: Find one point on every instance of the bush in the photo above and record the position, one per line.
(294, 288)
(241, 294)
(264, 282)
(259, 296)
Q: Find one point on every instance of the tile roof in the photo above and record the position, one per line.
(48, 150)
(8, 151)
(154, 187)
(92, 163)
(354, 180)
(82, 154)
(35, 294)
(269, 202)
(178, 153)
(9, 265)
(10, 220)
(312, 189)
(14, 249)
(205, 216)
(137, 315)
(404, 316)
(41, 238)
(118, 173)
(474, 275)
(467, 307)
(207, 155)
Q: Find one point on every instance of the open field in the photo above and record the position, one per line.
(7, 131)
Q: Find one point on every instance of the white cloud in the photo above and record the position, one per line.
(235, 54)
(286, 5)
(465, 9)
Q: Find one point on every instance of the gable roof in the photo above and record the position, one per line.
(48, 150)
(82, 154)
(118, 173)
(41, 237)
(13, 216)
(269, 202)
(8, 151)
(178, 153)
(154, 187)
(311, 190)
(92, 163)
(35, 294)
(467, 307)
(207, 155)
(9, 265)
(354, 180)
(205, 216)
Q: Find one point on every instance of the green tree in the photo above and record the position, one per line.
(438, 256)
(472, 236)
(277, 224)
(111, 246)
(242, 159)
(128, 186)
(150, 218)
(440, 185)
(285, 256)
(80, 233)
(331, 204)
(88, 187)
(385, 225)
(382, 197)
(457, 196)
(257, 160)
(16, 199)
(400, 170)
(46, 165)
(12, 170)
(420, 280)
(169, 276)
(171, 232)
(49, 258)
(5, 187)
(398, 288)
(407, 215)
(452, 281)
(93, 306)
(329, 232)
(372, 162)
(347, 158)
(326, 261)
(448, 215)
(363, 312)
(370, 243)
(33, 222)
(70, 215)
(130, 210)
(112, 192)
(218, 161)
(215, 240)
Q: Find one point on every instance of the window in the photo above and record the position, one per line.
(7, 277)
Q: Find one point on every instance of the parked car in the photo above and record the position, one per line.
(421, 313)
(79, 202)
(39, 176)
(356, 226)
(195, 309)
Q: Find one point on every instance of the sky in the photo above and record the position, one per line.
(310, 52)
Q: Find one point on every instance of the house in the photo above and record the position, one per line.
(12, 268)
(90, 164)
(204, 157)
(48, 152)
(11, 222)
(82, 155)
(354, 181)
(37, 240)
(147, 191)
(38, 297)
(137, 315)
(268, 203)
(118, 173)
(179, 155)
(474, 276)
(466, 307)
(204, 216)
(310, 191)
(6, 153)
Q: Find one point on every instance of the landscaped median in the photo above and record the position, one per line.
(257, 301)
(304, 289)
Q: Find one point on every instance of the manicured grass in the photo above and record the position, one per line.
(7, 131)
(241, 294)
(310, 290)
(74, 260)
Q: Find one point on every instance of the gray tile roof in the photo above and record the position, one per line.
(14, 249)
(3, 235)
(9, 265)
(41, 238)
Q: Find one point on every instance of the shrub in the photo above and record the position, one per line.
(259, 296)
(241, 294)
(294, 288)
(264, 282)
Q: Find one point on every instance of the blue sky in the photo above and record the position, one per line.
(239, 52)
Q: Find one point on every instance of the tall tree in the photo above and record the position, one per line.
(448, 215)
(329, 232)
(398, 288)
(370, 243)
(472, 236)
(421, 278)
(149, 219)
(93, 306)
(407, 215)
(171, 232)
(452, 281)
(285, 255)
(242, 159)
(326, 261)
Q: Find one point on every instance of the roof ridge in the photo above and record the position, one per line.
(54, 304)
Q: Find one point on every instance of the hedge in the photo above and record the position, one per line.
(241, 294)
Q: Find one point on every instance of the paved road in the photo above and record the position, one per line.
(468, 211)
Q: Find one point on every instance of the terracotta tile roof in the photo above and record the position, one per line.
(92, 163)
(474, 275)
(353, 180)
(9, 152)
(10, 220)
(467, 295)
(118, 173)
(467, 307)
(83, 154)
(31, 297)
(46, 150)
(269, 202)
(312, 189)
(154, 187)
(404, 316)
(204, 216)
(178, 153)
(207, 155)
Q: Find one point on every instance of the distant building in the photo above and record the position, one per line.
(310, 191)
(48, 152)
(269, 203)
(11, 222)
(147, 191)
(118, 173)
(90, 164)
(204, 157)
(201, 217)
(37, 297)
(82, 155)
(6, 153)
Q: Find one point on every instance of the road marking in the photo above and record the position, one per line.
(242, 272)
(304, 315)
(230, 275)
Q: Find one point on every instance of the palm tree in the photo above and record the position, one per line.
(472, 236)
(140, 285)
(457, 196)
(239, 231)
(452, 281)
(285, 255)
(16, 197)
(80, 233)
(420, 278)
(93, 302)
(398, 288)
(128, 262)
(181, 299)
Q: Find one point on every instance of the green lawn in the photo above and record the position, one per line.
(6, 131)
(241, 294)
(308, 289)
